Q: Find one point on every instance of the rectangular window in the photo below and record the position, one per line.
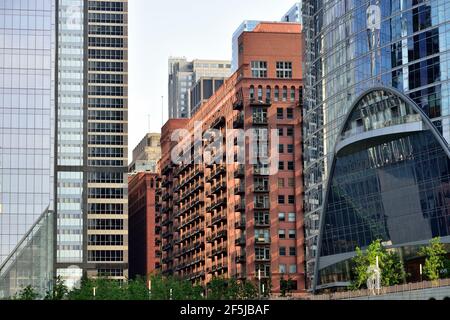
(290, 113)
(262, 253)
(291, 199)
(282, 268)
(262, 201)
(291, 217)
(259, 115)
(262, 236)
(290, 132)
(262, 219)
(291, 165)
(282, 234)
(282, 251)
(281, 199)
(292, 251)
(281, 148)
(284, 70)
(280, 132)
(261, 184)
(292, 269)
(280, 113)
(280, 183)
(281, 165)
(259, 69)
(290, 148)
(292, 234)
(291, 182)
(281, 217)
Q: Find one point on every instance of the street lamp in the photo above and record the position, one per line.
(259, 283)
(149, 289)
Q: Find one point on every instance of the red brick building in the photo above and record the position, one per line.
(232, 219)
(144, 229)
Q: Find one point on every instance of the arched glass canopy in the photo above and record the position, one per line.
(390, 180)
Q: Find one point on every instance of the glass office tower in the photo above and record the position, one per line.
(27, 107)
(382, 62)
(92, 126)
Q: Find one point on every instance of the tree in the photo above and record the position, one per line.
(27, 293)
(286, 286)
(137, 289)
(217, 289)
(435, 261)
(392, 269)
(59, 291)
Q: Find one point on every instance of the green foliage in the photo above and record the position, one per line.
(392, 270)
(162, 288)
(230, 289)
(435, 261)
(286, 287)
(59, 291)
(27, 293)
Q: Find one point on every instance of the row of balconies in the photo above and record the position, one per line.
(197, 186)
(192, 232)
(218, 187)
(189, 263)
(219, 217)
(217, 204)
(191, 176)
(189, 248)
(216, 236)
(197, 275)
(220, 169)
(190, 205)
(217, 268)
(193, 217)
(217, 251)
(167, 246)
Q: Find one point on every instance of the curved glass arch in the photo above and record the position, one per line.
(394, 186)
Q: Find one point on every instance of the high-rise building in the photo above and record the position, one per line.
(238, 218)
(294, 14)
(27, 59)
(376, 130)
(91, 159)
(183, 75)
(246, 26)
(146, 154)
(203, 90)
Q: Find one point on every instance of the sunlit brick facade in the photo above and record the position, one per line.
(237, 220)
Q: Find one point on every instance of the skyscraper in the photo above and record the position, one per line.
(235, 217)
(376, 101)
(183, 75)
(27, 56)
(245, 26)
(294, 14)
(91, 203)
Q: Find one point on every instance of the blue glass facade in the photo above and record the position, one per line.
(26, 117)
(390, 180)
(345, 56)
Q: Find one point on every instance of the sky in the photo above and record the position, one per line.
(195, 29)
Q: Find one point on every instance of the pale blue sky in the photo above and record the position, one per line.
(195, 29)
